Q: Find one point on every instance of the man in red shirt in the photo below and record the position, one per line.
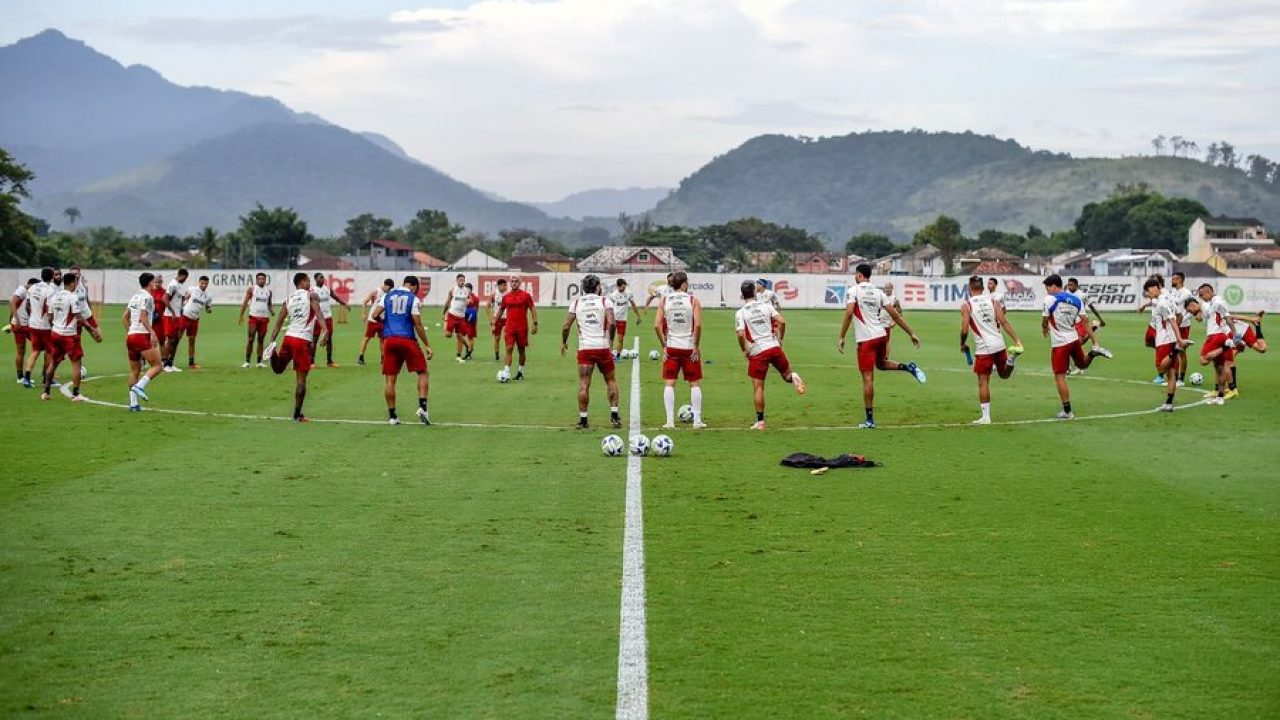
(514, 310)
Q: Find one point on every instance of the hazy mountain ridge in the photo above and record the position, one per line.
(604, 202)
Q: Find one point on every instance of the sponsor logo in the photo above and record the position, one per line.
(834, 294)
(235, 279)
(948, 292)
(486, 285)
(1017, 292)
(1111, 293)
(344, 288)
(1233, 294)
(914, 292)
(786, 290)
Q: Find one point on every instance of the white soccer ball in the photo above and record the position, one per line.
(612, 445)
(663, 445)
(84, 372)
(685, 413)
(625, 355)
(654, 354)
(639, 444)
(1196, 378)
(504, 375)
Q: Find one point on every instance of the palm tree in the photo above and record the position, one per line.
(208, 244)
(73, 214)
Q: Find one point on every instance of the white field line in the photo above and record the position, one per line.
(633, 643)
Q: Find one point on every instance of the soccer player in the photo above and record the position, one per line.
(38, 325)
(258, 300)
(401, 317)
(1178, 295)
(985, 317)
(82, 294)
(756, 322)
(301, 309)
(594, 317)
(140, 341)
(67, 312)
(455, 317)
(373, 328)
(172, 320)
(516, 307)
(1062, 311)
(678, 324)
(1220, 343)
(863, 303)
(993, 289)
(659, 292)
(765, 293)
(886, 320)
(1084, 328)
(472, 315)
(621, 303)
(326, 298)
(18, 325)
(1167, 318)
(196, 302)
(157, 291)
(491, 310)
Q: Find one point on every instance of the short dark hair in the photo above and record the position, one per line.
(679, 278)
(1054, 280)
(411, 280)
(319, 276)
(469, 286)
(1073, 280)
(590, 284)
(203, 278)
(260, 275)
(621, 282)
(1186, 304)
(70, 278)
(145, 279)
(863, 269)
(1205, 285)
(1150, 283)
(459, 275)
(298, 279)
(502, 281)
(32, 281)
(1180, 274)
(748, 289)
(975, 281)
(182, 272)
(46, 273)
(388, 283)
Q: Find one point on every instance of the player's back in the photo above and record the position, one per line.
(301, 317)
(868, 301)
(677, 310)
(1063, 310)
(755, 321)
(141, 305)
(63, 307)
(590, 311)
(398, 308)
(988, 338)
(37, 297)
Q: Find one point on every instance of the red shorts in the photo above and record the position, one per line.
(372, 329)
(1213, 342)
(602, 359)
(189, 327)
(21, 334)
(1185, 331)
(258, 326)
(1082, 329)
(516, 336)
(404, 352)
(64, 347)
(172, 327)
(1250, 337)
(758, 365)
(39, 340)
(1151, 337)
(136, 345)
(498, 327)
(1164, 351)
(984, 364)
(873, 353)
(292, 350)
(453, 323)
(681, 361)
(1061, 357)
(620, 329)
(471, 330)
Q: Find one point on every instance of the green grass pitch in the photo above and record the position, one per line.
(187, 565)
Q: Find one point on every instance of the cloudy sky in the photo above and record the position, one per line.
(534, 100)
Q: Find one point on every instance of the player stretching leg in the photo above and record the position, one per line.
(678, 324)
(302, 309)
(455, 316)
(373, 328)
(514, 312)
(68, 312)
(1058, 322)
(19, 317)
(985, 316)
(327, 299)
(1179, 294)
(863, 305)
(622, 303)
(257, 299)
(401, 316)
(197, 301)
(756, 322)
(1167, 318)
(140, 341)
(594, 318)
(491, 310)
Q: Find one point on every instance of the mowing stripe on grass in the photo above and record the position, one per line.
(633, 644)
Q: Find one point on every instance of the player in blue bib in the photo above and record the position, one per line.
(401, 317)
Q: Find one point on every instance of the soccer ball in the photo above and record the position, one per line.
(1196, 378)
(639, 444)
(685, 413)
(612, 445)
(626, 355)
(84, 372)
(504, 375)
(662, 445)
(654, 354)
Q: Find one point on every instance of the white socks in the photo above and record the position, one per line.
(986, 410)
(507, 368)
(695, 398)
(142, 381)
(669, 402)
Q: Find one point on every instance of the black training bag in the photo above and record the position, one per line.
(805, 460)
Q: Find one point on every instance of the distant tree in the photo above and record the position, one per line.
(1192, 148)
(1123, 189)
(1159, 142)
(633, 226)
(869, 245)
(73, 214)
(944, 234)
(1227, 155)
(1034, 232)
(1258, 167)
(781, 262)
(207, 241)
(687, 243)
(1146, 220)
(1007, 241)
(738, 260)
(364, 228)
(529, 245)
(17, 229)
(1212, 154)
(431, 231)
(277, 234)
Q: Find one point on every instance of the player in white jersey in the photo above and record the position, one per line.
(38, 321)
(678, 324)
(301, 309)
(1179, 294)
(593, 315)
(1084, 328)
(455, 318)
(496, 325)
(1224, 340)
(891, 301)
(141, 342)
(760, 328)
(864, 303)
(993, 290)
(68, 313)
(171, 323)
(372, 322)
(1059, 322)
(982, 315)
(258, 301)
(622, 303)
(1167, 318)
(196, 301)
(765, 293)
(657, 292)
(18, 319)
(326, 297)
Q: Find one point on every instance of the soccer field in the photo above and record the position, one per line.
(218, 561)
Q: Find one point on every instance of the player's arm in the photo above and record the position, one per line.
(649, 301)
(14, 303)
(742, 343)
(902, 323)
(448, 299)
(965, 314)
(782, 324)
(88, 320)
(319, 320)
(1044, 325)
(489, 307)
(637, 308)
(421, 332)
(334, 297)
(124, 319)
(844, 326)
(533, 310)
(1144, 306)
(245, 304)
(1094, 309)
(657, 324)
(378, 312)
(1002, 318)
(284, 312)
(564, 331)
(697, 329)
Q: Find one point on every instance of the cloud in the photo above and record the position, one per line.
(788, 117)
(302, 31)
